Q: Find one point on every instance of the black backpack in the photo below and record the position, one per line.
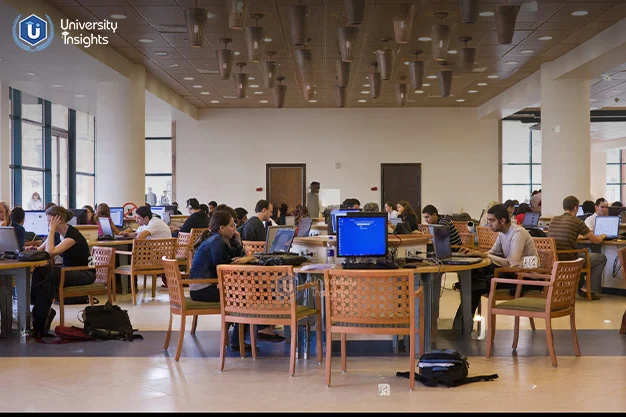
(445, 366)
(108, 322)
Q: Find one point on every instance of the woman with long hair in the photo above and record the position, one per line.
(5, 214)
(103, 210)
(407, 214)
(91, 214)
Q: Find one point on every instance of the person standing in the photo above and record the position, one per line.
(165, 200)
(35, 202)
(151, 197)
(313, 199)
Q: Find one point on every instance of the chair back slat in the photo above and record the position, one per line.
(147, 253)
(565, 278)
(103, 257)
(184, 245)
(174, 284)
(251, 246)
(546, 248)
(486, 238)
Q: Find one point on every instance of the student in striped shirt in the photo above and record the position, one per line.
(431, 215)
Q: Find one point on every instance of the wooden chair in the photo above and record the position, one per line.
(103, 259)
(621, 254)
(183, 250)
(146, 260)
(467, 238)
(251, 246)
(561, 286)
(586, 268)
(486, 238)
(371, 302)
(183, 305)
(265, 295)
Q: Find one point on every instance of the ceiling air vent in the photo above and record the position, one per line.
(208, 71)
(171, 28)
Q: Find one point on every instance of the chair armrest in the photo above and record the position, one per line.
(307, 285)
(124, 252)
(532, 275)
(419, 292)
(519, 281)
(199, 281)
(76, 268)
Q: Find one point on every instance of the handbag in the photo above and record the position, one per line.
(33, 256)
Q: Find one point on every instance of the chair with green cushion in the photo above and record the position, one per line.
(183, 305)
(560, 288)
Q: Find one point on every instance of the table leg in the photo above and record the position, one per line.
(465, 280)
(22, 284)
(427, 282)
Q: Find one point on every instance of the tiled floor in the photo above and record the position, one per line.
(155, 382)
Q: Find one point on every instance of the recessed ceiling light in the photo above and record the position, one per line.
(607, 321)
(258, 92)
(366, 85)
(57, 86)
(254, 86)
(251, 78)
(492, 76)
(460, 100)
(580, 13)
(425, 85)
(432, 77)
(263, 101)
(174, 65)
(214, 101)
(419, 91)
(146, 40)
(593, 100)
(188, 78)
(118, 16)
(481, 84)
(362, 101)
(365, 92)
(616, 92)
(267, 39)
(236, 53)
(473, 91)
(485, 14)
(197, 86)
(205, 93)
(80, 95)
(161, 53)
(211, 15)
(425, 39)
(545, 38)
(31, 73)
(452, 51)
(406, 62)
(527, 51)
(512, 62)
(312, 101)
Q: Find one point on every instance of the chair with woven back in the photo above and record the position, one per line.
(586, 268)
(621, 255)
(146, 260)
(486, 238)
(372, 302)
(251, 246)
(103, 259)
(183, 250)
(560, 287)
(467, 237)
(252, 294)
(184, 305)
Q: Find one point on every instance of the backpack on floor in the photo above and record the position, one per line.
(108, 322)
(445, 366)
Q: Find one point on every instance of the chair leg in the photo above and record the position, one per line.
(491, 329)
(253, 340)
(181, 336)
(90, 300)
(293, 347)
(329, 352)
(114, 285)
(242, 343)
(169, 332)
(622, 329)
(411, 361)
(61, 310)
(479, 313)
(532, 323)
(154, 284)
(422, 333)
(550, 338)
(515, 332)
(572, 322)
(588, 283)
(318, 337)
(145, 277)
(223, 340)
(344, 364)
(133, 290)
(194, 324)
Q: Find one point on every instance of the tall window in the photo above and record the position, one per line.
(615, 175)
(85, 159)
(28, 154)
(521, 160)
(159, 171)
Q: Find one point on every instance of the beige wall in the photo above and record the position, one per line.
(222, 156)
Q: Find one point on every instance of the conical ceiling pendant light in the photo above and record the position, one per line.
(309, 91)
(297, 22)
(445, 82)
(241, 81)
(403, 23)
(506, 15)
(385, 60)
(401, 91)
(347, 36)
(254, 38)
(440, 35)
(195, 19)
(279, 92)
(343, 72)
(270, 70)
(416, 71)
(304, 61)
(355, 10)
(237, 11)
(225, 60)
(341, 93)
(466, 56)
(469, 10)
(375, 81)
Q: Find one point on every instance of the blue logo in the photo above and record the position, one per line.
(33, 34)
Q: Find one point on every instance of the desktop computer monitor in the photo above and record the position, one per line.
(158, 210)
(362, 235)
(36, 222)
(117, 216)
(338, 213)
(80, 215)
(580, 211)
(171, 210)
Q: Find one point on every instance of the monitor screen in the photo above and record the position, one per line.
(117, 215)
(36, 222)
(305, 227)
(80, 215)
(158, 210)
(105, 224)
(531, 219)
(362, 234)
(341, 212)
(271, 234)
(580, 211)
(607, 225)
(170, 210)
(282, 240)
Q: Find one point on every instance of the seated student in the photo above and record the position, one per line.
(407, 214)
(204, 208)
(431, 216)
(513, 243)
(282, 214)
(510, 207)
(351, 203)
(197, 218)
(103, 210)
(617, 204)
(176, 211)
(150, 227)
(91, 214)
(371, 207)
(521, 213)
(212, 207)
(17, 222)
(5, 214)
(389, 208)
(588, 209)
(483, 216)
(254, 229)
(65, 241)
(242, 218)
(601, 209)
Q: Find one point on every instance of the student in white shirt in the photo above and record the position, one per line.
(391, 213)
(601, 209)
(150, 227)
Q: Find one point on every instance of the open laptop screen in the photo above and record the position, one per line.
(305, 227)
(36, 222)
(117, 215)
(607, 225)
(282, 240)
(531, 220)
(105, 224)
(441, 241)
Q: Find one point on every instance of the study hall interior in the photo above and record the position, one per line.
(149, 117)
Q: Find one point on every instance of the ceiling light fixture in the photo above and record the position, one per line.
(205, 93)
(297, 23)
(401, 91)
(197, 86)
(431, 77)
(473, 91)
(419, 91)
(481, 84)
(440, 35)
(593, 100)
(174, 65)
(118, 16)
(343, 72)
(347, 36)
(304, 61)
(375, 81)
(241, 81)
(506, 15)
(188, 78)
(57, 86)
(341, 93)
(403, 23)
(80, 95)
(580, 13)
(362, 101)
(493, 76)
(545, 38)
(460, 100)
(425, 85)
(469, 10)
(366, 85)
(237, 10)
(527, 51)
(146, 40)
(452, 51)
(236, 53)
(364, 92)
(486, 14)
(385, 60)
(161, 53)
(225, 60)
(210, 15)
(466, 55)
(267, 40)
(425, 39)
(253, 85)
(416, 71)
(279, 92)
(264, 101)
(258, 92)
(270, 72)
(355, 10)
(254, 37)
(312, 101)
(31, 73)
(512, 62)
(214, 101)
(445, 82)
(195, 18)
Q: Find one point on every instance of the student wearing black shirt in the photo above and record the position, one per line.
(431, 216)
(65, 241)
(197, 218)
(254, 229)
(17, 222)
(407, 214)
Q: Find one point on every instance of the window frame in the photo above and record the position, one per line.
(530, 164)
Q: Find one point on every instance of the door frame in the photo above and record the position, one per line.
(382, 182)
(267, 178)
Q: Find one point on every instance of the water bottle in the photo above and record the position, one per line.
(330, 250)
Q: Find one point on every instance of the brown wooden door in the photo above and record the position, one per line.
(402, 182)
(286, 183)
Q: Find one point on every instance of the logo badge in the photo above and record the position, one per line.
(33, 34)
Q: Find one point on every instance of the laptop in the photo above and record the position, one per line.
(443, 250)
(271, 234)
(282, 240)
(107, 230)
(9, 248)
(608, 225)
(531, 220)
(305, 227)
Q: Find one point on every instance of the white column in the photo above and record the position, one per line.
(120, 143)
(5, 144)
(598, 175)
(566, 142)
